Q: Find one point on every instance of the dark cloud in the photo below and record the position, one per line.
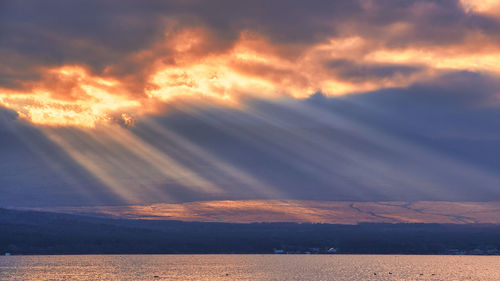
(102, 34)
(7, 115)
(354, 71)
(436, 139)
(463, 91)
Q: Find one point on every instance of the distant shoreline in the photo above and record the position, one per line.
(250, 254)
(35, 233)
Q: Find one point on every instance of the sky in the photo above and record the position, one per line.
(125, 102)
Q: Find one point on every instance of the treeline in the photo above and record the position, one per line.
(27, 232)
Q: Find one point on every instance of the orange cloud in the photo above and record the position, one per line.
(190, 63)
(69, 96)
(488, 7)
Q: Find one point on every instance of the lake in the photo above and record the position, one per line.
(249, 267)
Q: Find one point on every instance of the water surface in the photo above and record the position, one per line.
(249, 267)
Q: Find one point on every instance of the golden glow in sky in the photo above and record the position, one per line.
(488, 7)
(71, 95)
(164, 101)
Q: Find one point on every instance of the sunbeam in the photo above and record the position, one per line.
(178, 102)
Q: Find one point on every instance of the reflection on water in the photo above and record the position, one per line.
(249, 267)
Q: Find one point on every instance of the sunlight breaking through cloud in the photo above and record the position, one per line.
(253, 67)
(176, 100)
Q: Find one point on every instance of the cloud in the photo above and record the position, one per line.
(360, 72)
(434, 140)
(487, 7)
(156, 52)
(156, 101)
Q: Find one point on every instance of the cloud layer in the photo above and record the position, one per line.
(176, 101)
(81, 63)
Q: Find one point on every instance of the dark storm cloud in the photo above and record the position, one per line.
(351, 70)
(425, 22)
(433, 137)
(104, 33)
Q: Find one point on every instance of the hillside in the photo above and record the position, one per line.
(30, 232)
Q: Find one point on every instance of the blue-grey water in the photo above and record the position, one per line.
(250, 267)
